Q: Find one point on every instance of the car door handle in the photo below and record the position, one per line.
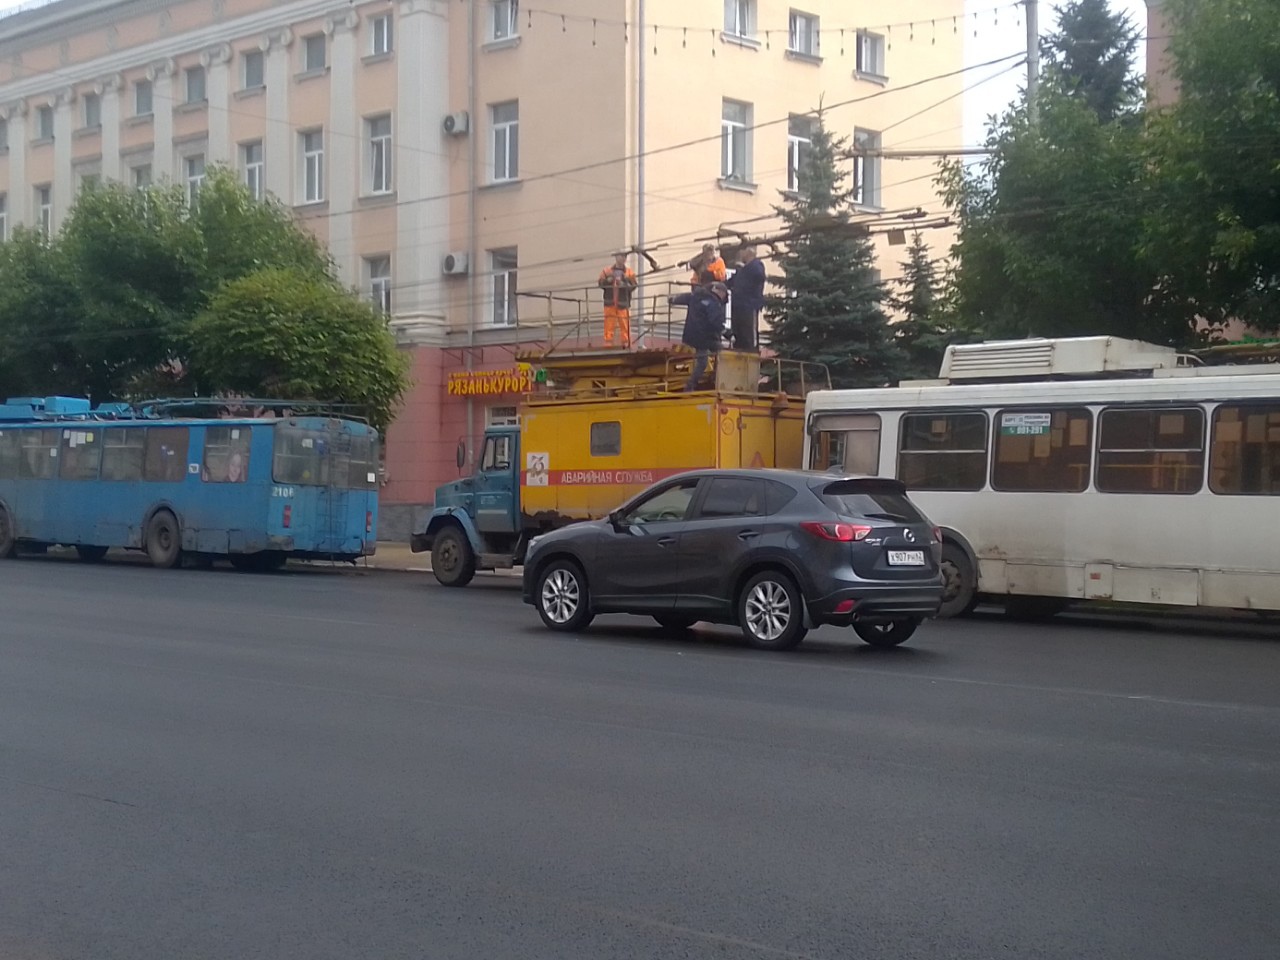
(666, 541)
(748, 535)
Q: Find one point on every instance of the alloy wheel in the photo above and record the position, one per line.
(768, 610)
(561, 595)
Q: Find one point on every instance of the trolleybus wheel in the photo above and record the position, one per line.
(164, 542)
(89, 553)
(888, 634)
(960, 594)
(8, 537)
(452, 559)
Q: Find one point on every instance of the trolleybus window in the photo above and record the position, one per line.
(362, 470)
(165, 457)
(849, 442)
(10, 453)
(81, 454)
(1044, 451)
(1245, 455)
(1151, 450)
(226, 454)
(301, 456)
(39, 454)
(123, 452)
(943, 451)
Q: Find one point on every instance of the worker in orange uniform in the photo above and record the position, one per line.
(707, 267)
(617, 282)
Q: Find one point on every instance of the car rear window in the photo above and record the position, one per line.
(875, 499)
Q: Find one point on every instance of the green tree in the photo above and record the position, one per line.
(287, 333)
(922, 333)
(1213, 205)
(39, 317)
(1090, 57)
(830, 310)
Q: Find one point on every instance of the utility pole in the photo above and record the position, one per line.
(1033, 56)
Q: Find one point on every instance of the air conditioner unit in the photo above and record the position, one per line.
(457, 124)
(454, 264)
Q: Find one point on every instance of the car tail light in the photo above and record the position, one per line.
(368, 521)
(288, 515)
(839, 532)
(845, 606)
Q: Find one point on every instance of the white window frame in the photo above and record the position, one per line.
(195, 82)
(44, 208)
(796, 145)
(92, 111)
(312, 158)
(504, 163)
(379, 150)
(804, 34)
(378, 271)
(193, 174)
(311, 43)
(735, 142)
(381, 35)
(504, 20)
(4, 217)
(870, 55)
(44, 131)
(246, 81)
(253, 164)
(504, 266)
(867, 181)
(143, 90)
(740, 18)
(140, 175)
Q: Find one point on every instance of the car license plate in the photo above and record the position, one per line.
(906, 558)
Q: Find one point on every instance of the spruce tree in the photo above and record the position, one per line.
(921, 334)
(830, 311)
(1090, 56)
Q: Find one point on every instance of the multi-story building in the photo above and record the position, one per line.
(472, 163)
(1162, 86)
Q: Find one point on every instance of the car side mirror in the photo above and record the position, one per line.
(618, 522)
(461, 454)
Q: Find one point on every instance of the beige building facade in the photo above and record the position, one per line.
(472, 164)
(1162, 86)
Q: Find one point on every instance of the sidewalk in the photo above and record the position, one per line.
(396, 556)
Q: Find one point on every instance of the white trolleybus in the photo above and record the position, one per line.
(1079, 469)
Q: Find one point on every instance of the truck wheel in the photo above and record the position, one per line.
(562, 598)
(452, 559)
(960, 593)
(164, 542)
(8, 536)
(674, 622)
(888, 634)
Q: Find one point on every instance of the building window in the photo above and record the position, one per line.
(506, 140)
(740, 17)
(4, 217)
(503, 263)
(193, 169)
(870, 58)
(44, 123)
(799, 144)
(4, 135)
(502, 416)
(1150, 450)
(379, 134)
(312, 166)
(253, 70)
(803, 34)
(380, 35)
(379, 271)
(1244, 459)
(44, 208)
(92, 110)
(141, 176)
(251, 162)
(943, 451)
(866, 169)
(1042, 451)
(506, 16)
(142, 100)
(90, 181)
(313, 52)
(195, 85)
(735, 122)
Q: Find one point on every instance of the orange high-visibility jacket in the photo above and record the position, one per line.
(617, 285)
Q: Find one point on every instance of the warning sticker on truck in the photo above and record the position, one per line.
(535, 469)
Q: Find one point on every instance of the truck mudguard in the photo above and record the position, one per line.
(438, 519)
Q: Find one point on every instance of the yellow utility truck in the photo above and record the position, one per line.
(598, 428)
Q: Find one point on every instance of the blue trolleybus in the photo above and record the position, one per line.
(254, 490)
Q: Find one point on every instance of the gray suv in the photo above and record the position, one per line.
(774, 551)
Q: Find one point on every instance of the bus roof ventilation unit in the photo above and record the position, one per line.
(1045, 359)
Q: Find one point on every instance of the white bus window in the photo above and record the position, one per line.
(1042, 451)
(850, 443)
(1151, 450)
(943, 451)
(1244, 458)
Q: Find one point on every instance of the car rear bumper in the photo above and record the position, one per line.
(878, 602)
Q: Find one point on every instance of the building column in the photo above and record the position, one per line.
(216, 63)
(343, 144)
(161, 76)
(421, 171)
(63, 184)
(277, 153)
(19, 189)
(108, 88)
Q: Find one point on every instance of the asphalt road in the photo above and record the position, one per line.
(326, 765)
